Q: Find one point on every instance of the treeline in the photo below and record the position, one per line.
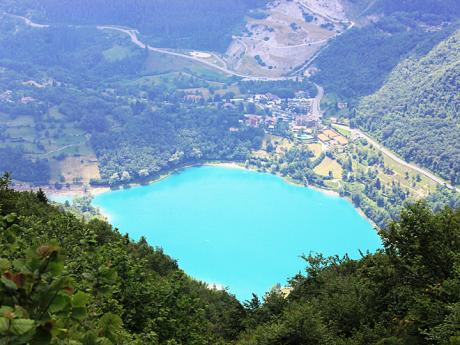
(153, 142)
(15, 161)
(64, 280)
(416, 112)
(358, 63)
(203, 24)
(280, 88)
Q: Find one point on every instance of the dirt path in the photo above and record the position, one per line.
(87, 137)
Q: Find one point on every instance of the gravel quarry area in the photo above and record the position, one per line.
(290, 34)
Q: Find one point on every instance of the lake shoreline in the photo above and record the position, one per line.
(197, 215)
(79, 191)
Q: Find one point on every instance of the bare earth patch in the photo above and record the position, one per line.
(291, 34)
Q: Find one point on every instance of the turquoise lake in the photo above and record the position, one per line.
(238, 229)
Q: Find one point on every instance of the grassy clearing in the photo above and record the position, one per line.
(328, 165)
(345, 132)
(82, 168)
(158, 63)
(317, 149)
(117, 53)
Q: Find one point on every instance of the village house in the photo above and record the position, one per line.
(6, 96)
(193, 98)
(253, 120)
(27, 100)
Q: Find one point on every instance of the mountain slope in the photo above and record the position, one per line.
(203, 24)
(417, 111)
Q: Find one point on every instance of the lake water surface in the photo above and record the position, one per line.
(239, 229)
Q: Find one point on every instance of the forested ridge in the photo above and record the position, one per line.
(398, 73)
(416, 112)
(63, 279)
(203, 24)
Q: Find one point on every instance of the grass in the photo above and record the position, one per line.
(328, 165)
(317, 149)
(117, 53)
(345, 132)
(20, 121)
(158, 63)
(84, 168)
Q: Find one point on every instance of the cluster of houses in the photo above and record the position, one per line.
(9, 97)
(294, 113)
(297, 116)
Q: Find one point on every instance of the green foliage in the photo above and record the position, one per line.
(64, 280)
(37, 300)
(407, 293)
(160, 141)
(416, 112)
(280, 88)
(205, 25)
(23, 168)
(358, 62)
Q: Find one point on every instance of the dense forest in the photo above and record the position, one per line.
(14, 160)
(280, 88)
(152, 142)
(427, 9)
(204, 24)
(416, 112)
(64, 280)
(358, 63)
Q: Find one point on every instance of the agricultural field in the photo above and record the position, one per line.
(329, 167)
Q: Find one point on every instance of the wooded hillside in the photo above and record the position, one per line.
(417, 111)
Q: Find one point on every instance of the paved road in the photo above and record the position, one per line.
(401, 161)
(87, 138)
(133, 34)
(316, 106)
(27, 21)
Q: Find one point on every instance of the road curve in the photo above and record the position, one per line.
(316, 106)
(133, 34)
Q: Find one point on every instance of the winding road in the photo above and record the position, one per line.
(133, 34)
(27, 21)
(316, 107)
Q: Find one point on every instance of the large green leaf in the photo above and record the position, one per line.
(4, 325)
(60, 302)
(22, 326)
(80, 299)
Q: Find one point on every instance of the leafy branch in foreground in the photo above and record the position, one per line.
(38, 304)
